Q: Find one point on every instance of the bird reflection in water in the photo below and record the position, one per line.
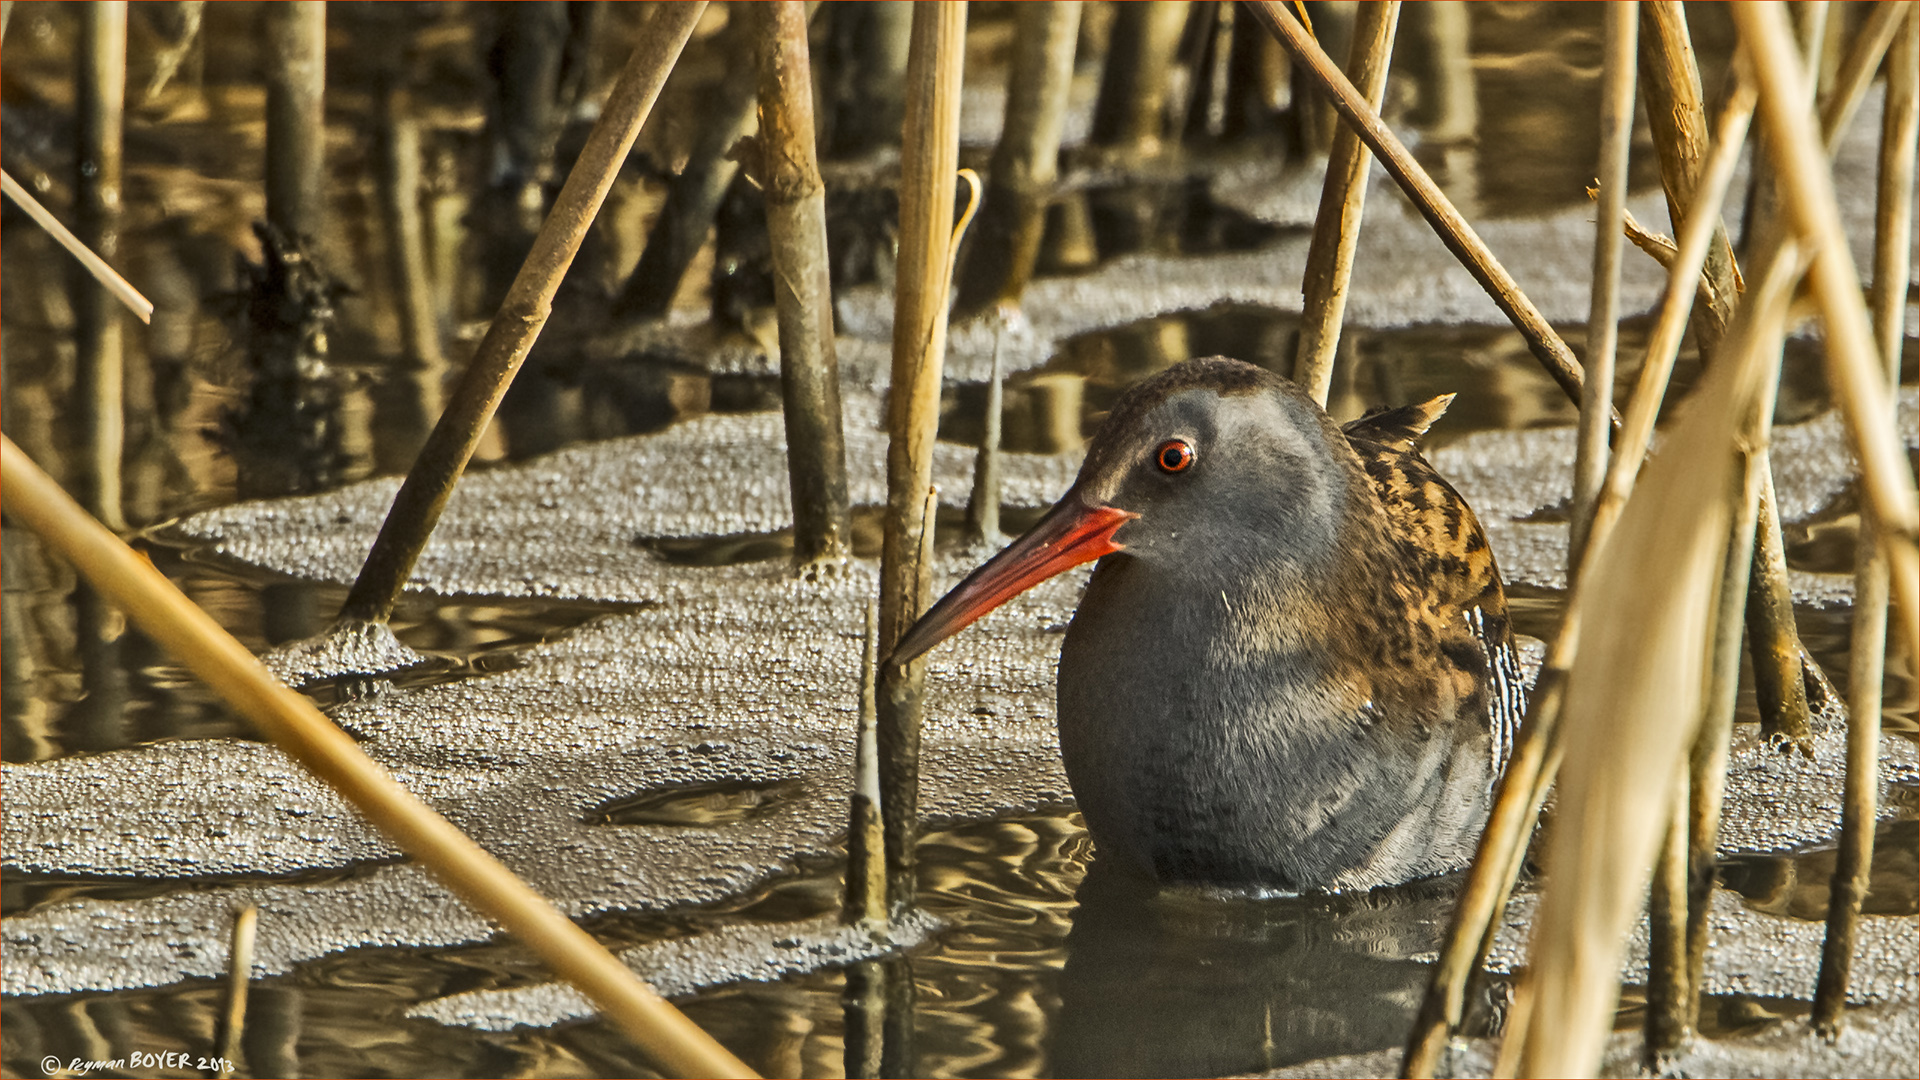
(1191, 983)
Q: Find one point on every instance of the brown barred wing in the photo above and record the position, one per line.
(1444, 546)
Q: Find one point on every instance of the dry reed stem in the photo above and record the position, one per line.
(983, 503)
(1853, 369)
(1677, 117)
(1894, 214)
(1454, 230)
(99, 363)
(930, 156)
(120, 287)
(233, 1018)
(1857, 70)
(796, 201)
(158, 608)
(1663, 345)
(1668, 1025)
(424, 494)
(1603, 314)
(295, 67)
(1648, 593)
(1707, 765)
(1026, 161)
(866, 833)
(1343, 197)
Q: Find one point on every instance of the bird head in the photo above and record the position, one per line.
(1213, 466)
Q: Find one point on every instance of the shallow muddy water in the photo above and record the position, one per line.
(1031, 968)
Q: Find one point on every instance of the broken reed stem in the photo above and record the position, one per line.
(295, 67)
(930, 156)
(417, 508)
(239, 971)
(1454, 231)
(1536, 757)
(1026, 161)
(120, 287)
(803, 296)
(99, 374)
(694, 196)
(1343, 197)
(1893, 226)
(983, 503)
(866, 834)
(400, 188)
(159, 609)
(1854, 371)
(1603, 314)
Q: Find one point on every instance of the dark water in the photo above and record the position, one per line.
(1037, 970)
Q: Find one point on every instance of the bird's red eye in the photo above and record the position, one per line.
(1174, 455)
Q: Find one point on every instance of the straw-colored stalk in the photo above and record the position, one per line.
(983, 503)
(424, 494)
(296, 75)
(1894, 213)
(930, 156)
(1676, 115)
(99, 411)
(233, 1019)
(1343, 197)
(1707, 763)
(158, 608)
(1426, 195)
(1603, 313)
(1858, 68)
(1633, 702)
(1026, 161)
(120, 287)
(866, 835)
(796, 201)
(1536, 755)
(1854, 370)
